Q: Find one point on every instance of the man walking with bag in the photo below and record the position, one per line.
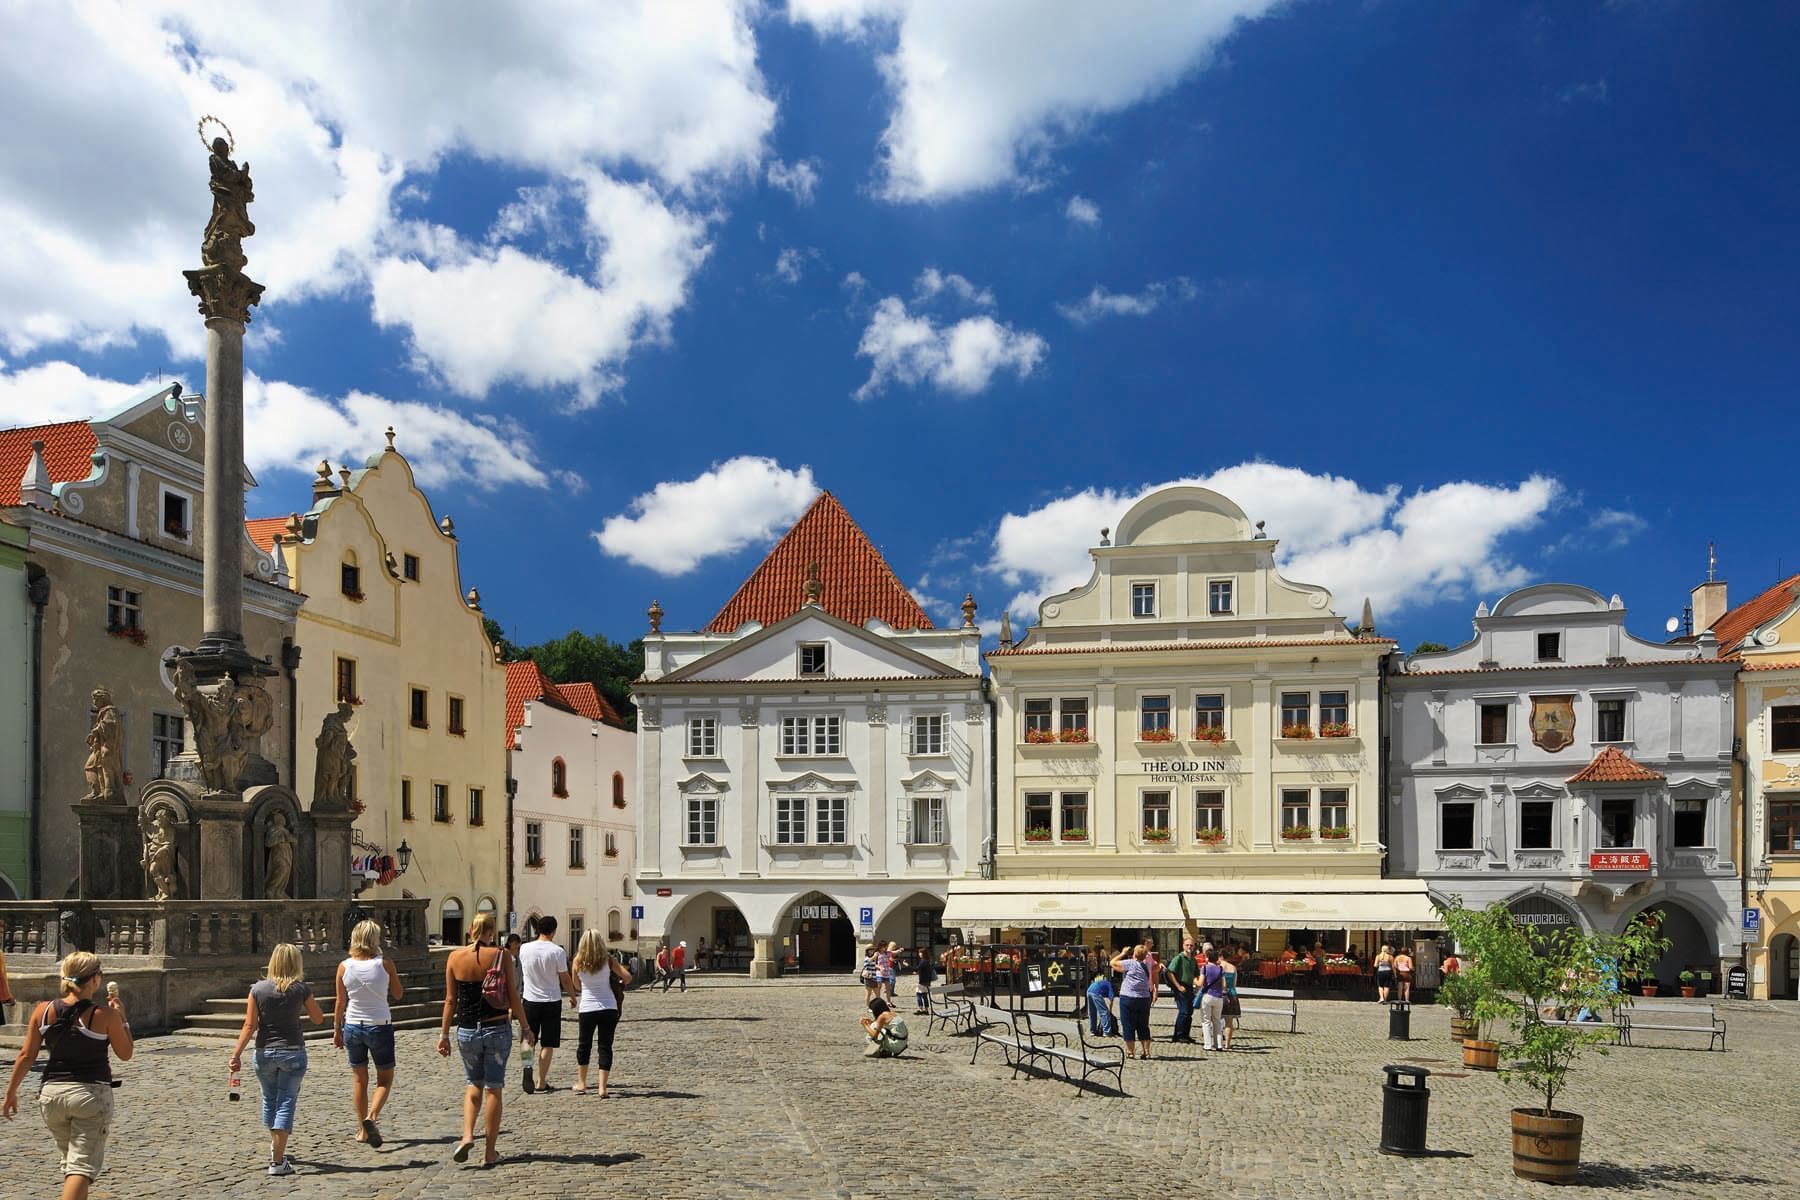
(1181, 972)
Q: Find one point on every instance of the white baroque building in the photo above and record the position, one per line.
(814, 762)
(1577, 773)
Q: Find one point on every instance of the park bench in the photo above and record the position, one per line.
(995, 1026)
(1273, 1004)
(1673, 1018)
(1616, 1024)
(1065, 1042)
(949, 1011)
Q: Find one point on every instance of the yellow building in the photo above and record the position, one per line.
(387, 628)
(1188, 739)
(1764, 636)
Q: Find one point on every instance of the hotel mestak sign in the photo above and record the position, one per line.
(1185, 770)
(1619, 860)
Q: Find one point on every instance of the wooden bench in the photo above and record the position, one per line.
(1672, 1018)
(995, 1026)
(1616, 1024)
(1061, 1040)
(1275, 1004)
(950, 1011)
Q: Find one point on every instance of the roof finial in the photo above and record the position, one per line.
(325, 470)
(1106, 536)
(344, 474)
(813, 588)
(1368, 619)
(1006, 631)
(323, 486)
(35, 487)
(655, 613)
(448, 526)
(390, 438)
(968, 610)
(474, 599)
(1712, 563)
(1259, 529)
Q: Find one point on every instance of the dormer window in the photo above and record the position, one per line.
(1143, 599)
(812, 658)
(1218, 598)
(1549, 647)
(350, 579)
(409, 567)
(177, 510)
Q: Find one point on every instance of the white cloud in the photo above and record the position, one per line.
(1100, 302)
(790, 264)
(1082, 211)
(934, 283)
(799, 179)
(1357, 541)
(982, 92)
(912, 348)
(854, 283)
(675, 526)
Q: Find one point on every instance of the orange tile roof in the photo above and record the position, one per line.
(1613, 765)
(526, 681)
(858, 583)
(586, 699)
(262, 531)
(1665, 664)
(1731, 628)
(68, 452)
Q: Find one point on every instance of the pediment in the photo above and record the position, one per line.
(1539, 791)
(812, 781)
(702, 784)
(769, 654)
(928, 781)
(1459, 791)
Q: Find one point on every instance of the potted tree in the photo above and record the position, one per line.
(1457, 993)
(1687, 984)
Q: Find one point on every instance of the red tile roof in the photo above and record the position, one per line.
(858, 583)
(1231, 644)
(1633, 665)
(1613, 765)
(526, 681)
(586, 699)
(1731, 628)
(68, 452)
(262, 531)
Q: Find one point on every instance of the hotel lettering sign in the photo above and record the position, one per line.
(1185, 770)
(1619, 860)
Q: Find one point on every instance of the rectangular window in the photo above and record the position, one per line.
(928, 820)
(1456, 825)
(1143, 599)
(410, 567)
(1549, 647)
(703, 737)
(175, 515)
(1075, 815)
(1153, 717)
(812, 658)
(534, 843)
(124, 610)
(440, 802)
(827, 735)
(1609, 720)
(576, 925)
(1075, 717)
(420, 709)
(1334, 709)
(475, 799)
(790, 820)
(1494, 724)
(1218, 597)
(703, 821)
(350, 581)
(167, 739)
(1209, 813)
(1334, 809)
(1038, 720)
(1784, 728)
(1618, 824)
(1537, 828)
(1784, 826)
(577, 848)
(406, 808)
(811, 735)
(456, 716)
(1209, 713)
(1156, 813)
(928, 734)
(831, 820)
(346, 682)
(1690, 822)
(1296, 810)
(1037, 816)
(612, 844)
(1296, 713)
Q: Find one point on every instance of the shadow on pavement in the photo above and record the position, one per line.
(320, 1168)
(1609, 1174)
(686, 1020)
(598, 1160)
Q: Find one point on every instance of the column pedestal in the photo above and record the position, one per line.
(112, 851)
(763, 963)
(221, 868)
(332, 851)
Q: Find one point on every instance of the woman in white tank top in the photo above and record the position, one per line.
(596, 970)
(363, 1024)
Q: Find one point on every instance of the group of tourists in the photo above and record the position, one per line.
(1202, 980)
(488, 988)
(1393, 975)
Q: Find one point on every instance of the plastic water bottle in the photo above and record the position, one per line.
(233, 1085)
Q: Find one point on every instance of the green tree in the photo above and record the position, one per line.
(509, 652)
(578, 657)
(1430, 648)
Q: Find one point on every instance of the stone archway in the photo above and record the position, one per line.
(1544, 911)
(819, 933)
(1691, 945)
(913, 918)
(712, 920)
(1784, 967)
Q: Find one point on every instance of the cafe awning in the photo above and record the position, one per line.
(1312, 904)
(1136, 903)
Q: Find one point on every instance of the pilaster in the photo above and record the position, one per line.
(878, 791)
(750, 783)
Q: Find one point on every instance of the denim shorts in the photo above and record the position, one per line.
(361, 1042)
(485, 1051)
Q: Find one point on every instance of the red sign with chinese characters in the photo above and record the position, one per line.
(1619, 860)
(665, 891)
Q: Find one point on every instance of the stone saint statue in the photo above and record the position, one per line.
(278, 865)
(222, 243)
(209, 714)
(105, 775)
(331, 772)
(159, 855)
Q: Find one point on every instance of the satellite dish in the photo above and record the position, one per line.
(1672, 624)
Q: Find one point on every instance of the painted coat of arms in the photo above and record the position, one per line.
(1553, 722)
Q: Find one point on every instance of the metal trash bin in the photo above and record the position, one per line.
(1404, 1108)
(1400, 1021)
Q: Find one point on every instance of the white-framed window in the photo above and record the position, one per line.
(1296, 809)
(1618, 823)
(1456, 825)
(168, 737)
(831, 820)
(812, 659)
(534, 843)
(1219, 597)
(1209, 812)
(175, 513)
(1334, 808)
(1037, 816)
(1153, 715)
(1143, 599)
(1495, 722)
(124, 609)
(1155, 807)
(577, 848)
(1537, 824)
(1073, 715)
(1209, 712)
(577, 925)
(1296, 712)
(1609, 719)
(790, 820)
(702, 821)
(811, 736)
(1334, 709)
(1549, 647)
(1689, 823)
(1073, 811)
(1040, 717)
(927, 820)
(703, 737)
(927, 734)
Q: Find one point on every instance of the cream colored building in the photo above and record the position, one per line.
(387, 626)
(1188, 739)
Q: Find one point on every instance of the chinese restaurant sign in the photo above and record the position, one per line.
(1619, 860)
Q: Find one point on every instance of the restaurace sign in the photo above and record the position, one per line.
(1185, 770)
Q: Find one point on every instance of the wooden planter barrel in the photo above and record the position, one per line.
(1481, 1056)
(1546, 1148)
(1460, 1030)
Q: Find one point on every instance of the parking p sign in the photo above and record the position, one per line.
(1752, 931)
(865, 917)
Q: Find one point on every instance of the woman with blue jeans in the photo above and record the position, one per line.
(272, 1015)
(1133, 966)
(364, 1024)
(483, 1029)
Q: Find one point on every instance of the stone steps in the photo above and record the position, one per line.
(421, 1007)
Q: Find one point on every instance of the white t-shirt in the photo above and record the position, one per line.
(540, 962)
(596, 991)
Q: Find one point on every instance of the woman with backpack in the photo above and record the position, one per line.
(272, 1014)
(481, 994)
(602, 979)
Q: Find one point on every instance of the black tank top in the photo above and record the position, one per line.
(472, 1008)
(77, 1053)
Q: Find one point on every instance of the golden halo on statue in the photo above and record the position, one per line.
(209, 119)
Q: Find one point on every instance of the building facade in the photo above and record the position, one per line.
(18, 749)
(1190, 718)
(573, 773)
(813, 762)
(1578, 774)
(389, 630)
(114, 512)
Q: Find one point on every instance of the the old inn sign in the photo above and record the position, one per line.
(1185, 770)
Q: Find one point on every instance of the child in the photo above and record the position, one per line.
(922, 992)
(1100, 996)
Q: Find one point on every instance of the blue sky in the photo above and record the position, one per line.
(1456, 296)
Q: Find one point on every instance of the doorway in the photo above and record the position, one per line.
(823, 938)
(1784, 968)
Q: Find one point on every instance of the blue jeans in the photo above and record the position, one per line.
(363, 1042)
(1184, 1014)
(485, 1051)
(280, 1072)
(1100, 1020)
(1134, 1015)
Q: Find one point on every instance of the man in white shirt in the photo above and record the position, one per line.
(544, 970)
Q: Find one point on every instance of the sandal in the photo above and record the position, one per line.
(493, 1162)
(578, 1091)
(371, 1134)
(462, 1151)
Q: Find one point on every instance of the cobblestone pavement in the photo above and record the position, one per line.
(763, 1091)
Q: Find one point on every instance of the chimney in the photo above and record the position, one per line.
(1709, 598)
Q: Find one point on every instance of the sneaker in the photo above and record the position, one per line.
(284, 1167)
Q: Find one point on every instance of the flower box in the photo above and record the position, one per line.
(1156, 835)
(356, 596)
(615, 936)
(1210, 733)
(1335, 833)
(1210, 837)
(1156, 735)
(1037, 835)
(1039, 737)
(130, 633)
(1074, 835)
(1297, 833)
(1337, 729)
(1300, 732)
(612, 854)
(1077, 737)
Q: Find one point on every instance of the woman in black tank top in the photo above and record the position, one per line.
(483, 1030)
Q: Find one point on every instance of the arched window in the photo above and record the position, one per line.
(350, 580)
(618, 790)
(613, 932)
(559, 778)
(451, 918)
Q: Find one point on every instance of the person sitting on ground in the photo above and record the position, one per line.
(881, 1013)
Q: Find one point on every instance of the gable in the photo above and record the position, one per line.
(772, 655)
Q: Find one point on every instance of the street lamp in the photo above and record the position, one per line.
(405, 855)
(1761, 875)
